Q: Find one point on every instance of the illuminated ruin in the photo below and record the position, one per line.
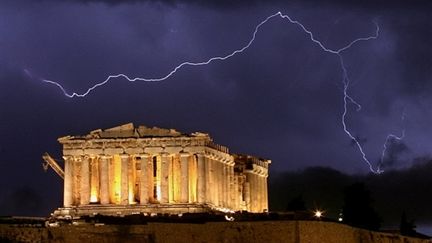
(127, 170)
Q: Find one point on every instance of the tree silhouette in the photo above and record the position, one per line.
(407, 227)
(358, 210)
(296, 204)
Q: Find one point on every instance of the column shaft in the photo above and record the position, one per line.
(144, 179)
(221, 183)
(224, 184)
(260, 193)
(164, 177)
(201, 178)
(76, 177)
(215, 168)
(246, 190)
(68, 181)
(235, 191)
(265, 194)
(131, 180)
(209, 178)
(253, 192)
(184, 166)
(104, 181)
(231, 187)
(94, 179)
(85, 181)
(124, 195)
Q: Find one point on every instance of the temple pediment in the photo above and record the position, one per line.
(128, 130)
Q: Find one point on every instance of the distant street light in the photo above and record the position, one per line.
(318, 214)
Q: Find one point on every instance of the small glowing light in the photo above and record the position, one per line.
(340, 219)
(318, 214)
(229, 218)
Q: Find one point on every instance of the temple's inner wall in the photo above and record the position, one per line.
(115, 168)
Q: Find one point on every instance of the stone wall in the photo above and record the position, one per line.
(258, 231)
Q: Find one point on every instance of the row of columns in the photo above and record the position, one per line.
(221, 182)
(92, 179)
(179, 178)
(255, 192)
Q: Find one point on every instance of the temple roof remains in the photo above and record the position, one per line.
(130, 131)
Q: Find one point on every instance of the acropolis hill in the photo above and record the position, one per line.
(141, 184)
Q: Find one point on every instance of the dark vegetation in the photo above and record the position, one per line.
(366, 201)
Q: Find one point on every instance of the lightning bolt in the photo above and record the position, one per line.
(388, 139)
(384, 152)
(338, 52)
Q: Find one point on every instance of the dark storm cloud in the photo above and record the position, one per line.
(225, 4)
(229, 3)
(392, 157)
(415, 52)
(393, 191)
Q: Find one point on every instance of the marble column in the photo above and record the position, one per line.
(265, 194)
(184, 167)
(131, 180)
(259, 193)
(215, 171)
(201, 190)
(224, 184)
(144, 178)
(68, 181)
(85, 181)
(236, 191)
(208, 175)
(254, 192)
(164, 177)
(104, 179)
(76, 177)
(221, 182)
(94, 179)
(246, 190)
(231, 187)
(124, 181)
(176, 174)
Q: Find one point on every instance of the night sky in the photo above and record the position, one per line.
(280, 99)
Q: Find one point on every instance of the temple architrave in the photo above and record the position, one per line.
(128, 170)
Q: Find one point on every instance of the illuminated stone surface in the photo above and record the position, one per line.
(126, 170)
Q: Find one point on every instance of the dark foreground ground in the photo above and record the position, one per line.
(184, 229)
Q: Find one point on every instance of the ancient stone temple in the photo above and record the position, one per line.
(127, 170)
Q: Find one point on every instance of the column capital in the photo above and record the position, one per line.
(184, 154)
(124, 156)
(164, 154)
(68, 157)
(105, 156)
(200, 154)
(142, 156)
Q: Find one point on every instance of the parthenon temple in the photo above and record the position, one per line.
(127, 169)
